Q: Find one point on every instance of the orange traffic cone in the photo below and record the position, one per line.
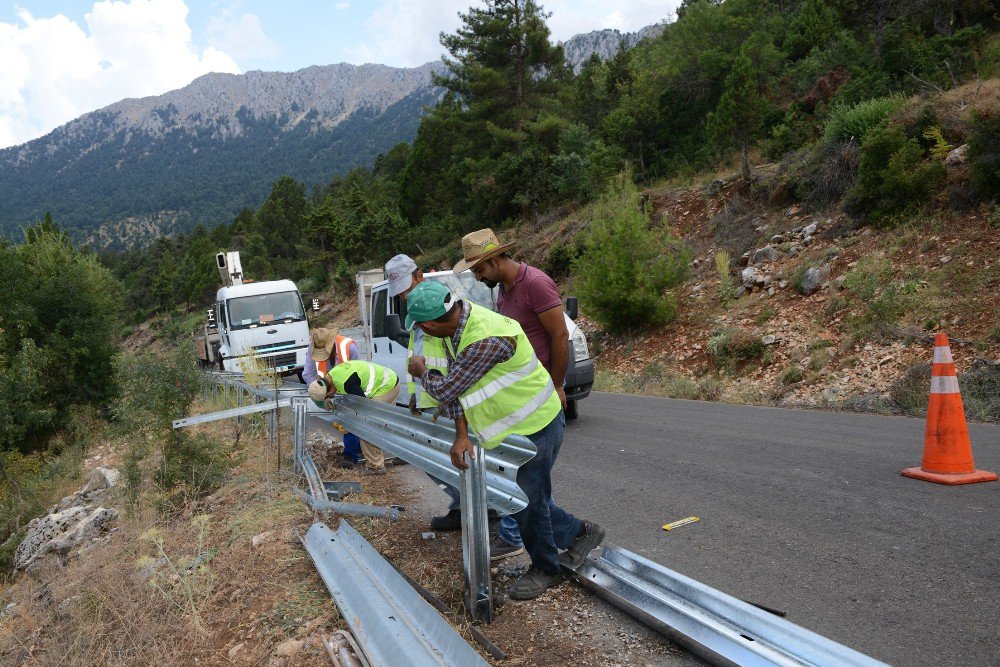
(947, 450)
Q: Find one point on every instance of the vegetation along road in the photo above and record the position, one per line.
(802, 511)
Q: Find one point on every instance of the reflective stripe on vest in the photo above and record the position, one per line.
(375, 380)
(515, 396)
(432, 349)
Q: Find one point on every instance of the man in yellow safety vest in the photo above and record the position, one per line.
(496, 387)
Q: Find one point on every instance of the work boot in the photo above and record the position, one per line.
(450, 521)
(346, 463)
(378, 471)
(500, 549)
(590, 537)
(533, 583)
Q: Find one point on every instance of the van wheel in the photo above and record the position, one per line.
(571, 410)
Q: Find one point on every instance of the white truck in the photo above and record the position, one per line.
(375, 341)
(265, 320)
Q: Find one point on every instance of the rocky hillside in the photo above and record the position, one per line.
(605, 43)
(142, 168)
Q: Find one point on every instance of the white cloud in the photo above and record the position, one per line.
(55, 70)
(341, 6)
(240, 34)
(405, 32)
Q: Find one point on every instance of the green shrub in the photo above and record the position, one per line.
(892, 175)
(733, 345)
(855, 122)
(727, 286)
(984, 150)
(981, 391)
(195, 462)
(791, 375)
(626, 270)
(559, 262)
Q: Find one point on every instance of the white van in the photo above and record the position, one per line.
(375, 344)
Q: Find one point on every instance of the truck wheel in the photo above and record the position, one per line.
(571, 410)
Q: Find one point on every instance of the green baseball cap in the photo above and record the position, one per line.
(428, 301)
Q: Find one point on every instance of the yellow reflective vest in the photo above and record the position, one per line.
(375, 380)
(432, 349)
(515, 396)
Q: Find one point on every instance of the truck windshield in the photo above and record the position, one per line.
(465, 286)
(248, 311)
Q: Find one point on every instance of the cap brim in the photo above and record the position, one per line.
(409, 322)
(400, 285)
(320, 354)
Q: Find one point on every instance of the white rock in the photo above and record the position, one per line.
(257, 540)
(288, 648)
(809, 230)
(101, 478)
(62, 531)
(957, 156)
(749, 275)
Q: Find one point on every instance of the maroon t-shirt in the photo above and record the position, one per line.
(533, 292)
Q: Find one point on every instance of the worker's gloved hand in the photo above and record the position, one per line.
(414, 410)
(329, 404)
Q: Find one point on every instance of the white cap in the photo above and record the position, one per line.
(317, 391)
(399, 270)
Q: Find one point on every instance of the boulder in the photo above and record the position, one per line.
(957, 156)
(814, 278)
(809, 230)
(62, 531)
(749, 276)
(763, 255)
(100, 478)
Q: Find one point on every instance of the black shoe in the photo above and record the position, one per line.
(346, 463)
(500, 549)
(533, 583)
(592, 537)
(450, 521)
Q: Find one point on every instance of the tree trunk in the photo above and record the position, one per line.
(745, 160)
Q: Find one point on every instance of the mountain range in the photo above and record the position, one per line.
(123, 175)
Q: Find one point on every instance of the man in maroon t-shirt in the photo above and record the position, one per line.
(527, 295)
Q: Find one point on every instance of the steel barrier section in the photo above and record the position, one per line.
(354, 509)
(393, 625)
(229, 414)
(710, 623)
(426, 444)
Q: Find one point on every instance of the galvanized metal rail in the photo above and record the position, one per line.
(426, 444)
(710, 623)
(393, 625)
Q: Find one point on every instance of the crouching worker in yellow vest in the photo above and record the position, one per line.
(496, 387)
(359, 378)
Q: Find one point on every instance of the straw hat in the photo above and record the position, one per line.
(323, 342)
(479, 246)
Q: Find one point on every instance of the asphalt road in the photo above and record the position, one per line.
(803, 511)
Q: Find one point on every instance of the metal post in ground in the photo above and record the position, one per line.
(215, 392)
(476, 540)
(299, 430)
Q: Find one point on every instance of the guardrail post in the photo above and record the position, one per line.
(299, 430)
(476, 540)
(215, 391)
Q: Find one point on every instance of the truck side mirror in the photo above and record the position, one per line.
(572, 308)
(395, 330)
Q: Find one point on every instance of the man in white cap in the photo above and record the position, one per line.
(404, 275)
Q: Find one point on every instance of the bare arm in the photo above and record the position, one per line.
(555, 324)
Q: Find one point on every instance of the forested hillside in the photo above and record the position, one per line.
(846, 96)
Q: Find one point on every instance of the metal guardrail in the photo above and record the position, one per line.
(353, 509)
(393, 625)
(426, 444)
(712, 624)
(229, 414)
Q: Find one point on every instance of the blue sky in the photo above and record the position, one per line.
(61, 59)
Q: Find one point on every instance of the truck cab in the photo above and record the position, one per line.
(378, 347)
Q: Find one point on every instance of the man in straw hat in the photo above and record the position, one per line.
(328, 348)
(529, 297)
(359, 378)
(494, 388)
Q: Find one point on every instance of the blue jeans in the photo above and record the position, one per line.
(543, 524)
(456, 499)
(352, 446)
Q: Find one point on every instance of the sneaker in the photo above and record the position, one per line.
(500, 549)
(592, 537)
(450, 521)
(533, 583)
(346, 463)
